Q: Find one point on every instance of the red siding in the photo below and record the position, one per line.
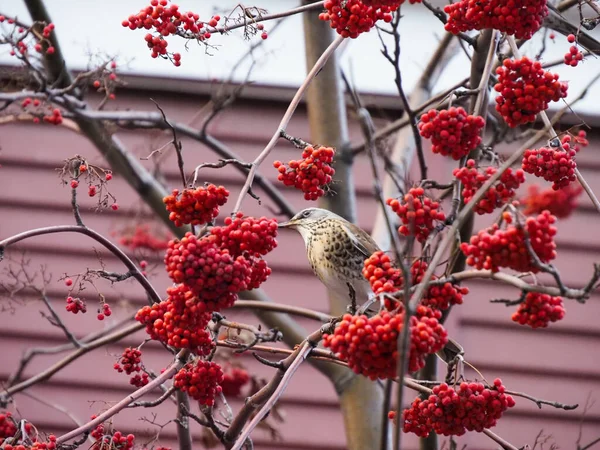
(559, 364)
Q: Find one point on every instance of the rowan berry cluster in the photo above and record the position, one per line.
(75, 305)
(500, 193)
(417, 213)
(130, 362)
(439, 296)
(142, 238)
(452, 411)
(247, 235)
(234, 379)
(35, 445)
(8, 426)
(525, 90)
(559, 202)
(369, 345)
(201, 380)
(494, 247)
(195, 206)
(104, 311)
(383, 276)
(453, 132)
(538, 310)
(39, 108)
(551, 164)
(575, 142)
(206, 269)
(353, 17)
(108, 438)
(520, 18)
(573, 56)
(166, 19)
(180, 321)
(311, 173)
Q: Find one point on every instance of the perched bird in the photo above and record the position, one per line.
(336, 251)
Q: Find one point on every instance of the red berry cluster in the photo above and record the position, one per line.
(309, 174)
(576, 141)
(104, 311)
(370, 346)
(521, 18)
(205, 268)
(201, 380)
(109, 439)
(439, 296)
(417, 212)
(538, 310)
(525, 90)
(452, 132)
(353, 17)
(500, 193)
(75, 305)
(49, 115)
(8, 426)
(573, 56)
(453, 411)
(179, 321)
(247, 235)
(493, 247)
(234, 379)
(143, 238)
(166, 19)
(195, 206)
(551, 164)
(383, 276)
(131, 362)
(561, 202)
(36, 445)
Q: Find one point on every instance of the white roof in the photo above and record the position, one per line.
(94, 27)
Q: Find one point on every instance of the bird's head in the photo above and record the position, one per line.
(307, 217)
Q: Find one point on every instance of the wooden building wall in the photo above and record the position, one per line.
(561, 363)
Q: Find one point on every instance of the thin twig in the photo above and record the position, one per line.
(164, 376)
(286, 119)
(133, 268)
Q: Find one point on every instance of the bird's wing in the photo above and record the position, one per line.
(360, 239)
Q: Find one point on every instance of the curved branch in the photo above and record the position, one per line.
(133, 269)
(285, 120)
(166, 375)
(278, 307)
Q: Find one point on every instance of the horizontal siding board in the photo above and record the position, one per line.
(557, 364)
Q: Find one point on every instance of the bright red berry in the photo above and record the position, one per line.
(452, 132)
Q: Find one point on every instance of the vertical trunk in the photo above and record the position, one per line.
(361, 399)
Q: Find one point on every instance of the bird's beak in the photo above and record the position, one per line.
(288, 224)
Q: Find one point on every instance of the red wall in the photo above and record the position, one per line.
(560, 363)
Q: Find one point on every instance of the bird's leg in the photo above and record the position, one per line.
(352, 307)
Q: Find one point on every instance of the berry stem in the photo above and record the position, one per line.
(266, 17)
(297, 359)
(286, 119)
(166, 375)
(133, 268)
(548, 125)
(480, 102)
(464, 214)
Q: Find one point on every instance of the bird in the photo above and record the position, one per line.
(337, 250)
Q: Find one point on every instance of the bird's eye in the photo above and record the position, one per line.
(306, 214)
